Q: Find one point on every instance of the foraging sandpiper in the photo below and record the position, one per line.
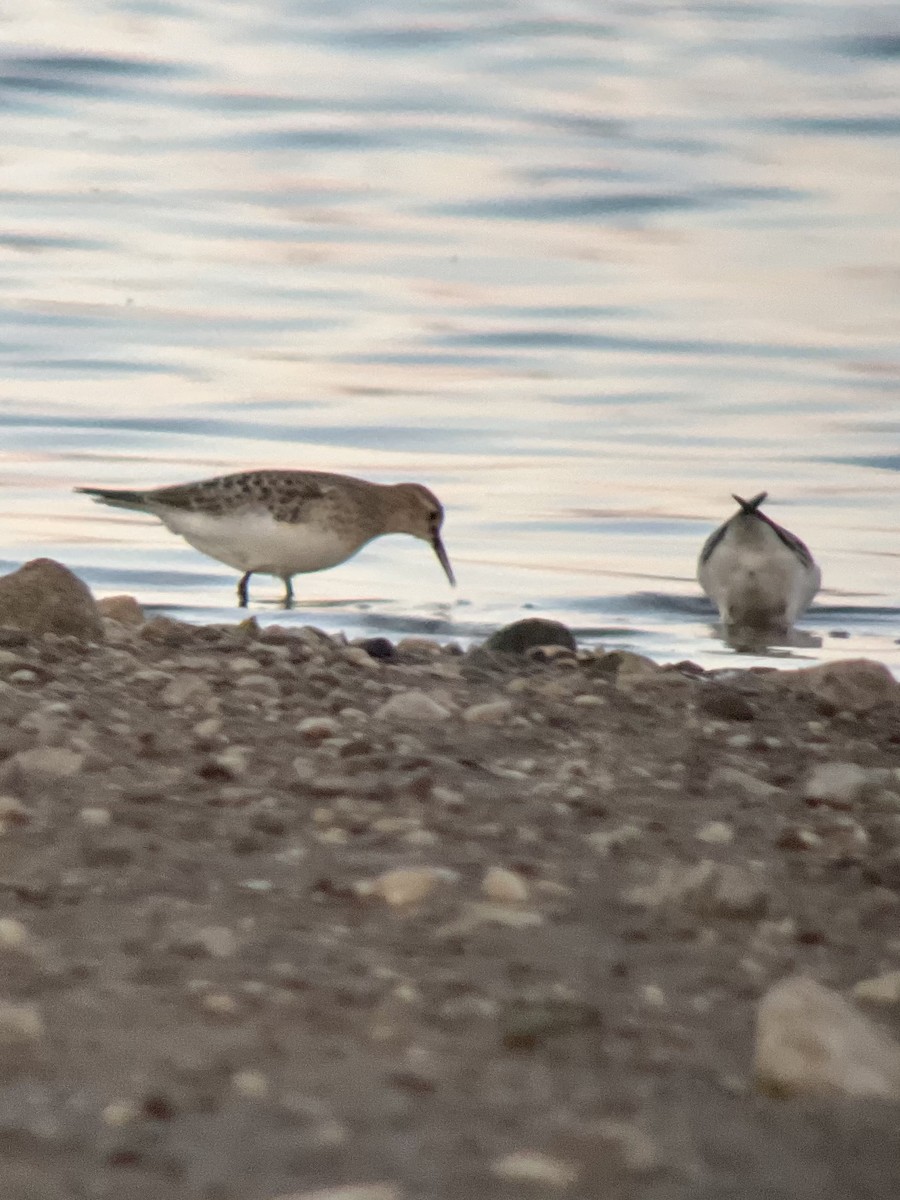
(286, 523)
(761, 576)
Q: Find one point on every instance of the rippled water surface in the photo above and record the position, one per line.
(585, 269)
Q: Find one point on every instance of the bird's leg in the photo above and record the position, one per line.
(242, 589)
(288, 592)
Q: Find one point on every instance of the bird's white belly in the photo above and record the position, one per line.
(756, 584)
(255, 542)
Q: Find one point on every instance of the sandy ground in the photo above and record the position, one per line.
(279, 916)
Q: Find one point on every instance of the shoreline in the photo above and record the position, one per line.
(285, 916)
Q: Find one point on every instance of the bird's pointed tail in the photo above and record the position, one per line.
(749, 507)
(136, 501)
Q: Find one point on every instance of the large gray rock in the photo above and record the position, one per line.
(855, 685)
(43, 596)
(810, 1041)
(522, 636)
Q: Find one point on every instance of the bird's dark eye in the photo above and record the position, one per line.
(434, 516)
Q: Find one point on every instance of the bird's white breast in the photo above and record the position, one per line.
(254, 541)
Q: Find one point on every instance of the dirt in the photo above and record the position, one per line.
(213, 987)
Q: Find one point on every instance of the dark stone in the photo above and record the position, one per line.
(378, 647)
(11, 639)
(521, 636)
(725, 704)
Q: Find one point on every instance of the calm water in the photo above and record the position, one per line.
(584, 269)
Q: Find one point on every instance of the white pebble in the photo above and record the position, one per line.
(506, 887)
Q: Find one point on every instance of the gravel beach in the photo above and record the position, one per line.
(288, 918)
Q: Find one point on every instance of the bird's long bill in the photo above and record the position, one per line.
(443, 559)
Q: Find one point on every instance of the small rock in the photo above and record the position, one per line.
(838, 784)
(20, 1025)
(13, 811)
(413, 706)
(317, 729)
(626, 665)
(709, 889)
(185, 689)
(532, 1167)
(123, 609)
(13, 934)
(264, 684)
(809, 1040)
(43, 596)
(881, 989)
(715, 833)
(606, 840)
(856, 685)
(506, 887)
(48, 762)
(407, 885)
(379, 648)
(252, 1085)
(219, 1004)
(212, 941)
(95, 817)
(521, 636)
(353, 1191)
(730, 779)
(230, 763)
(724, 703)
(359, 658)
(494, 712)
(477, 913)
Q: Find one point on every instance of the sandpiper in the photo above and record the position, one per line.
(286, 523)
(761, 576)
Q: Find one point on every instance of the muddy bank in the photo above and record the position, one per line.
(279, 915)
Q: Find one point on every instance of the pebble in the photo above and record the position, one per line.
(13, 811)
(811, 1041)
(264, 684)
(13, 934)
(219, 1004)
(606, 840)
(881, 989)
(252, 1085)
(123, 609)
(532, 1167)
(504, 886)
(836, 783)
(119, 1113)
(353, 1191)
(407, 885)
(51, 762)
(710, 889)
(493, 712)
(316, 729)
(95, 817)
(360, 657)
(414, 706)
(477, 913)
(730, 779)
(715, 833)
(20, 1025)
(232, 762)
(212, 941)
(185, 689)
